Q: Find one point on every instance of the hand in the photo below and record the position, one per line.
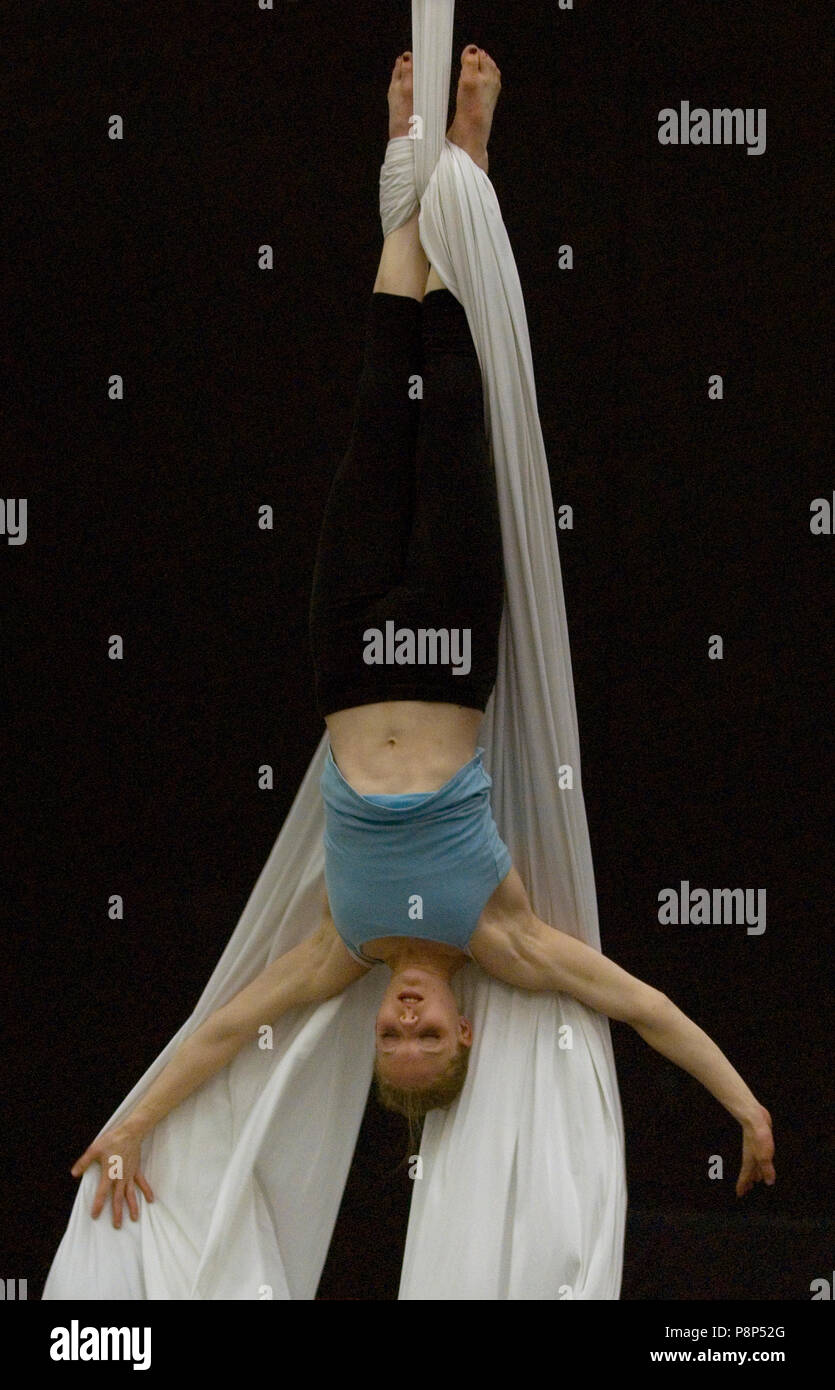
(126, 1144)
(757, 1153)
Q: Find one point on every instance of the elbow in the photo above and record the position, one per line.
(220, 1030)
(651, 1009)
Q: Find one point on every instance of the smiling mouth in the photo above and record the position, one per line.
(410, 998)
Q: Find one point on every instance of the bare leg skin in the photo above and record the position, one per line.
(478, 91)
(403, 263)
(433, 281)
(404, 268)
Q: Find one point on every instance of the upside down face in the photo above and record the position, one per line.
(419, 1028)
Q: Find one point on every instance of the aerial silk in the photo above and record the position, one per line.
(523, 1190)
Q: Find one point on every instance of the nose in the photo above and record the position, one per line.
(408, 1014)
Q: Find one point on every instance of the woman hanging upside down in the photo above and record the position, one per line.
(407, 601)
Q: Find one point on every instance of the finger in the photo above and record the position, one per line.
(81, 1163)
(130, 1196)
(101, 1195)
(144, 1186)
(117, 1203)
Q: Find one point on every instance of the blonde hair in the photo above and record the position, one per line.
(415, 1103)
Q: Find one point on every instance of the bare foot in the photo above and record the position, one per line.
(478, 91)
(401, 96)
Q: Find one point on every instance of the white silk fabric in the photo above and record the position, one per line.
(523, 1188)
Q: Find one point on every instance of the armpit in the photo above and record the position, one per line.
(502, 941)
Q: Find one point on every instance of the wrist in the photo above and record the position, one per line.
(753, 1115)
(136, 1125)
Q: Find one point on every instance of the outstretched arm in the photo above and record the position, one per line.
(538, 957)
(317, 969)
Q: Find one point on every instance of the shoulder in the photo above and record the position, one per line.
(507, 930)
(335, 966)
(509, 905)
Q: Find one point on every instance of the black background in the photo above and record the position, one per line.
(691, 517)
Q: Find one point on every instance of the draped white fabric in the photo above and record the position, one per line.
(523, 1193)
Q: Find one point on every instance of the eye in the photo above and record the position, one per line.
(427, 1033)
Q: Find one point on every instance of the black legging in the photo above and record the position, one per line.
(411, 530)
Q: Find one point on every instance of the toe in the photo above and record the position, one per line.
(490, 67)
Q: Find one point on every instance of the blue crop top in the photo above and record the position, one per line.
(419, 864)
